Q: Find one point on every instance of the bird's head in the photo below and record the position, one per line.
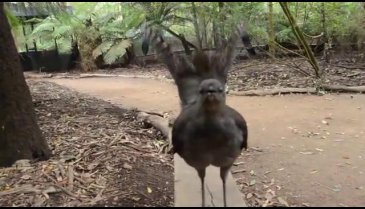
(212, 93)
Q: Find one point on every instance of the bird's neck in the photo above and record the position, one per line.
(211, 109)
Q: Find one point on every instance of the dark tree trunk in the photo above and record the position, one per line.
(20, 136)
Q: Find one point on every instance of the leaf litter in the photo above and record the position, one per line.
(101, 156)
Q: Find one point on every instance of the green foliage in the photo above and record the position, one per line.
(114, 24)
(116, 28)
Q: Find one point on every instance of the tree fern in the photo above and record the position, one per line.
(102, 48)
(116, 51)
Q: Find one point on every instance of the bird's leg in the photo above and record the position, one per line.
(224, 172)
(201, 172)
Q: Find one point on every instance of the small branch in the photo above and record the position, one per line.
(351, 67)
(285, 49)
(23, 189)
(65, 191)
(177, 36)
(70, 177)
(297, 68)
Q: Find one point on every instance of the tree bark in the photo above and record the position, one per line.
(271, 31)
(204, 32)
(216, 39)
(20, 135)
(222, 18)
(196, 26)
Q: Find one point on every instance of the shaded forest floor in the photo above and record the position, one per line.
(102, 156)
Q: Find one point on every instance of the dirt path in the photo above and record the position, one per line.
(310, 147)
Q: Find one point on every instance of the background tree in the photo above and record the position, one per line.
(20, 136)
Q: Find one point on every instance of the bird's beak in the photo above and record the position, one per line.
(211, 96)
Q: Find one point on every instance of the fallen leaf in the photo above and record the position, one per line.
(306, 204)
(249, 195)
(306, 153)
(269, 195)
(136, 198)
(26, 177)
(127, 166)
(50, 189)
(283, 202)
(267, 172)
(328, 117)
(252, 172)
(238, 171)
(22, 163)
(252, 182)
(337, 188)
(325, 122)
(149, 190)
(239, 163)
(314, 171)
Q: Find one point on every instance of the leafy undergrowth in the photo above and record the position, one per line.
(102, 156)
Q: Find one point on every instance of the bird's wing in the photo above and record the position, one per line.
(240, 123)
(178, 131)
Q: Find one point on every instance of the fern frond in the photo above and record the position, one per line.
(117, 51)
(102, 48)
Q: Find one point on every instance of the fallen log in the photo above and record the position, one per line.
(346, 89)
(160, 123)
(273, 91)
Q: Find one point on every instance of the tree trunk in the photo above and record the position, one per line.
(216, 38)
(218, 26)
(196, 26)
(221, 17)
(87, 44)
(204, 32)
(271, 31)
(325, 36)
(20, 136)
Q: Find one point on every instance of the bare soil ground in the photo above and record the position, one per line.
(305, 150)
(102, 156)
